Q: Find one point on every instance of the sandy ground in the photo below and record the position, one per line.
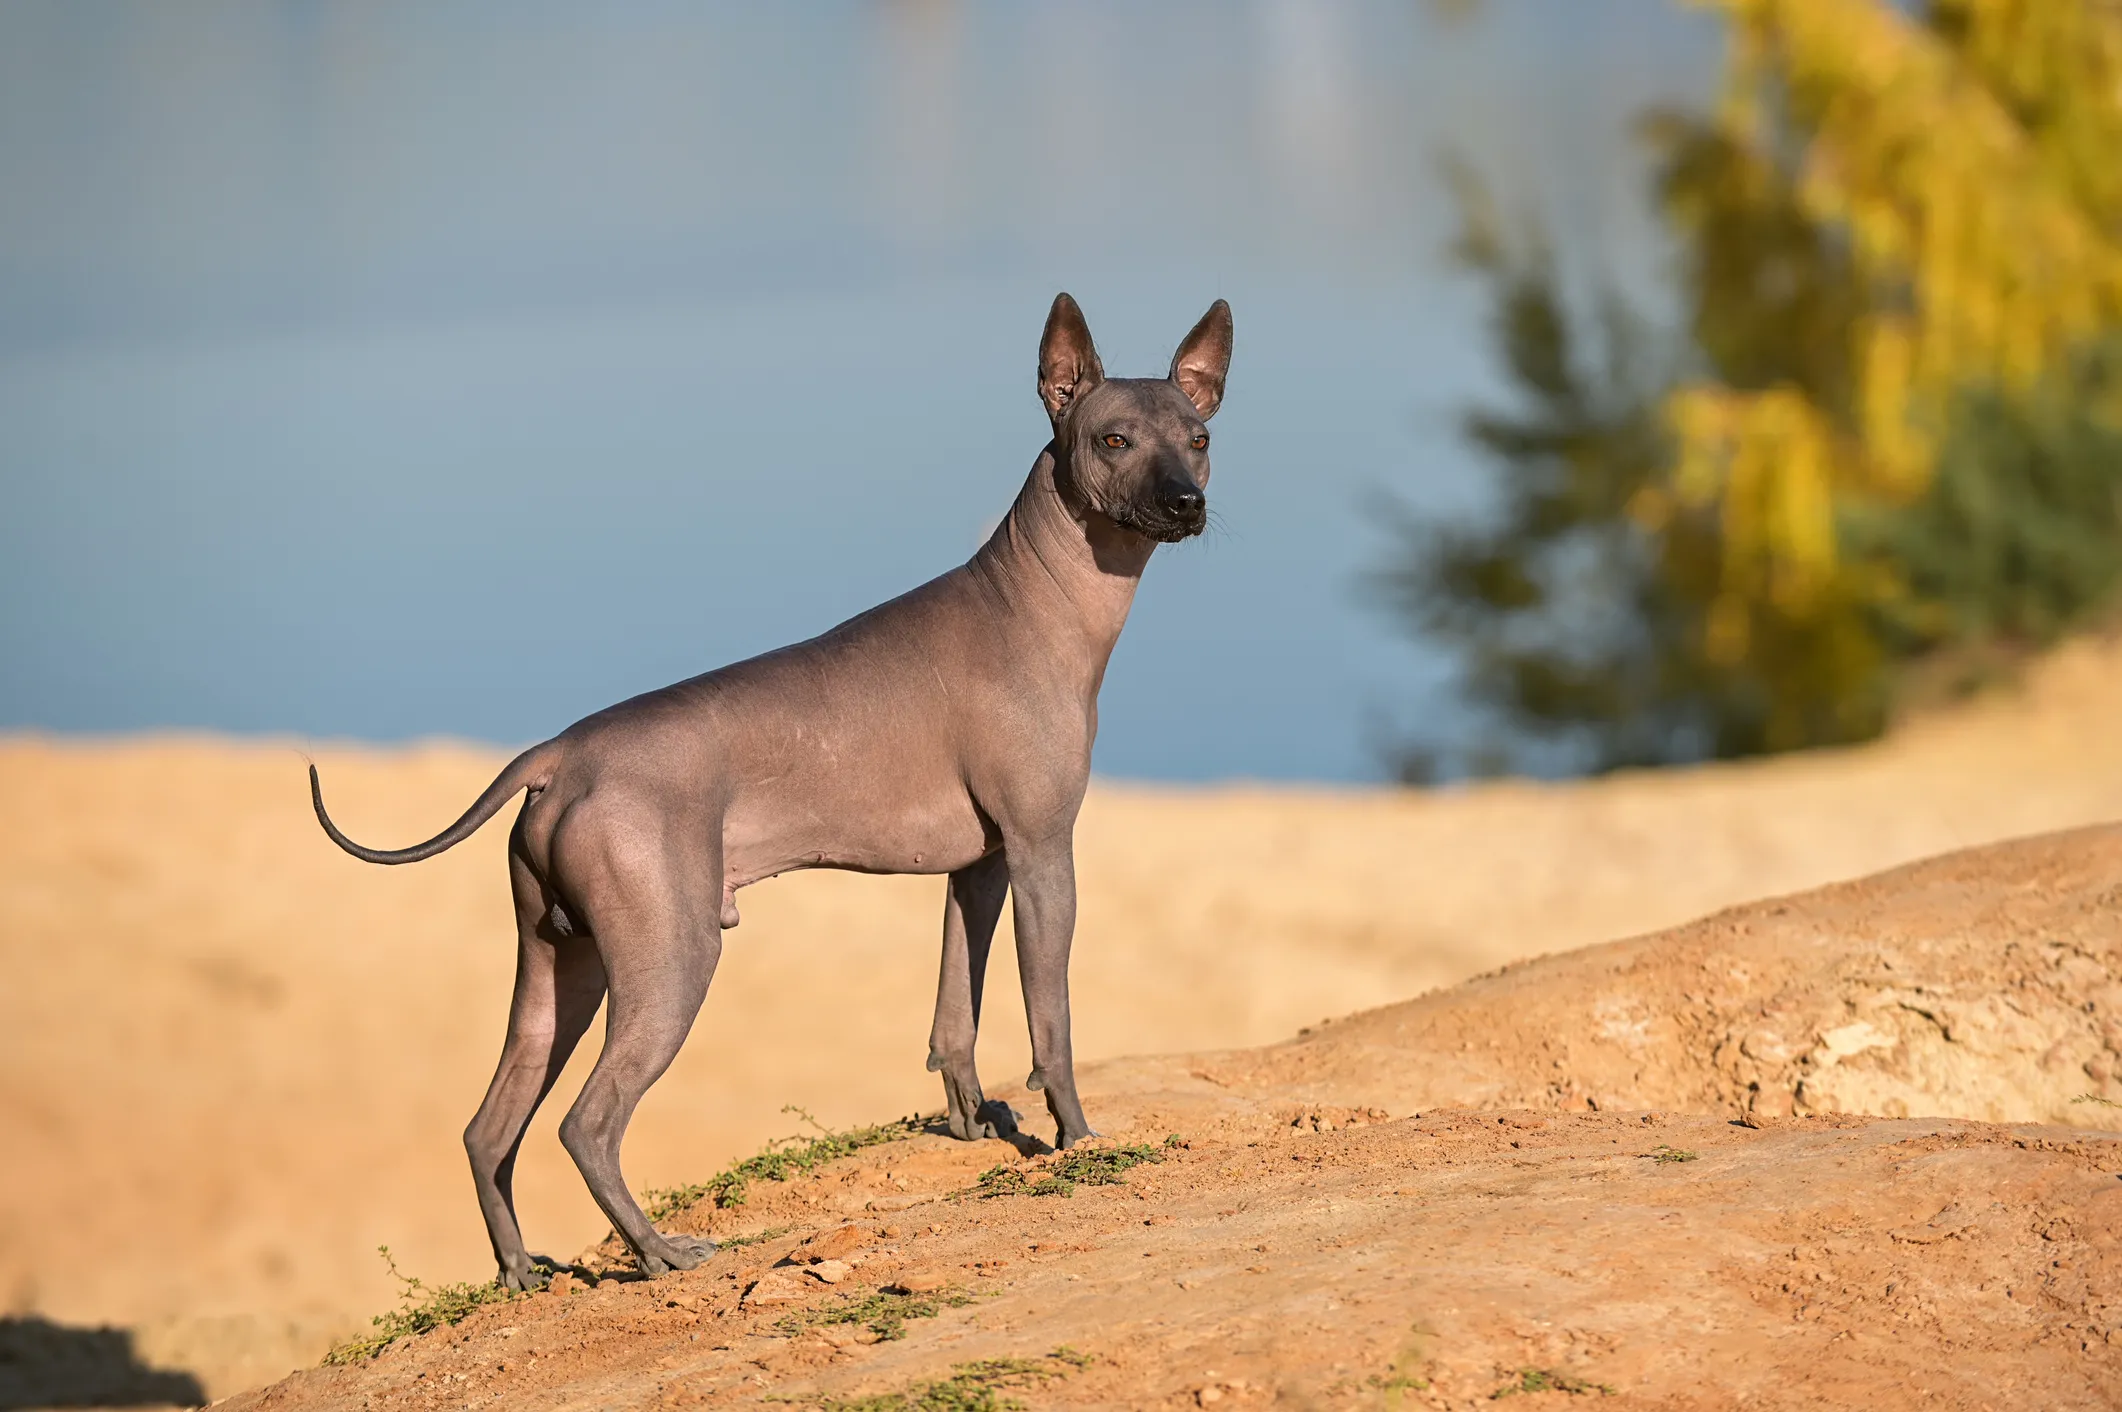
(237, 1061)
(1308, 1242)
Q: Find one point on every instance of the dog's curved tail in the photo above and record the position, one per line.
(530, 770)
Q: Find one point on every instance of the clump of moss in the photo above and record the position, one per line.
(778, 1161)
(419, 1310)
(971, 1387)
(1062, 1173)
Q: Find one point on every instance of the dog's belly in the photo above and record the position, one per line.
(936, 831)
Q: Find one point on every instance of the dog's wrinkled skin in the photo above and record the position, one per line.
(947, 731)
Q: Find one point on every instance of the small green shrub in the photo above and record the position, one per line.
(778, 1161)
(1664, 1153)
(419, 1309)
(1549, 1380)
(1062, 1173)
(883, 1313)
(971, 1387)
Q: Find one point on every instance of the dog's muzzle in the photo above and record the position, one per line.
(1179, 511)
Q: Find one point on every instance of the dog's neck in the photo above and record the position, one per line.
(1054, 557)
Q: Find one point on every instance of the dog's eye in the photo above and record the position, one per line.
(1116, 441)
(1200, 443)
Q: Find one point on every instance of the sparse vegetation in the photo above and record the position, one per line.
(1062, 1173)
(778, 1161)
(1664, 1153)
(1549, 1380)
(971, 1387)
(883, 1313)
(755, 1238)
(419, 1309)
(2096, 1098)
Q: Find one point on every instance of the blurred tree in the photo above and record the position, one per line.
(1894, 430)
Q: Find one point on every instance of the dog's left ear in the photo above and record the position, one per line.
(1203, 359)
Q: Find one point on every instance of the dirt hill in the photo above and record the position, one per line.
(238, 1061)
(1296, 1235)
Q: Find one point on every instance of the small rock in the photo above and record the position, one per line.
(834, 1244)
(562, 1283)
(920, 1282)
(777, 1286)
(831, 1271)
(1209, 1396)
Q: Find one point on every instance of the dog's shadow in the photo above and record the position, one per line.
(45, 1364)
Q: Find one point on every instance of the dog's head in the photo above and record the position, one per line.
(1135, 450)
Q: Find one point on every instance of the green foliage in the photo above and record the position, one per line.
(755, 1238)
(1062, 1173)
(1664, 1152)
(971, 1387)
(1549, 1380)
(883, 1313)
(777, 1162)
(2020, 534)
(1761, 530)
(419, 1310)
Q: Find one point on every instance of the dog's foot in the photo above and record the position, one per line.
(530, 1277)
(972, 1116)
(677, 1253)
(971, 1129)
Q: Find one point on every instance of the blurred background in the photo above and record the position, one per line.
(1619, 388)
(390, 370)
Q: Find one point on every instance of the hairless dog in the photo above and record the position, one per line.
(947, 731)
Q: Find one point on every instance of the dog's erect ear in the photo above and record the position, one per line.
(1203, 359)
(1068, 361)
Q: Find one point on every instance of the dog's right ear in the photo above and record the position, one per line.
(1068, 361)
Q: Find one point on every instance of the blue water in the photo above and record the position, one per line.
(389, 370)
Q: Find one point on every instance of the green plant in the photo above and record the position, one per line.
(420, 1309)
(1549, 1380)
(755, 1238)
(1664, 1153)
(1869, 458)
(883, 1313)
(971, 1387)
(2096, 1098)
(1062, 1173)
(778, 1161)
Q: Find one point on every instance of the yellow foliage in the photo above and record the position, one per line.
(1972, 159)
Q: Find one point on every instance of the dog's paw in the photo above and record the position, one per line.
(678, 1253)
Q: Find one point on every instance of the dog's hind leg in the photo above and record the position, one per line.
(971, 908)
(660, 938)
(559, 984)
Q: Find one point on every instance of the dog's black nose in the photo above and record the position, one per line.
(1180, 500)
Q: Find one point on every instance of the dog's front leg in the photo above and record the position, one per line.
(971, 908)
(1043, 883)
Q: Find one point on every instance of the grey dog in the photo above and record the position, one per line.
(947, 731)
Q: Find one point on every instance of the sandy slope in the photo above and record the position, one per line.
(237, 1060)
(1312, 1245)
